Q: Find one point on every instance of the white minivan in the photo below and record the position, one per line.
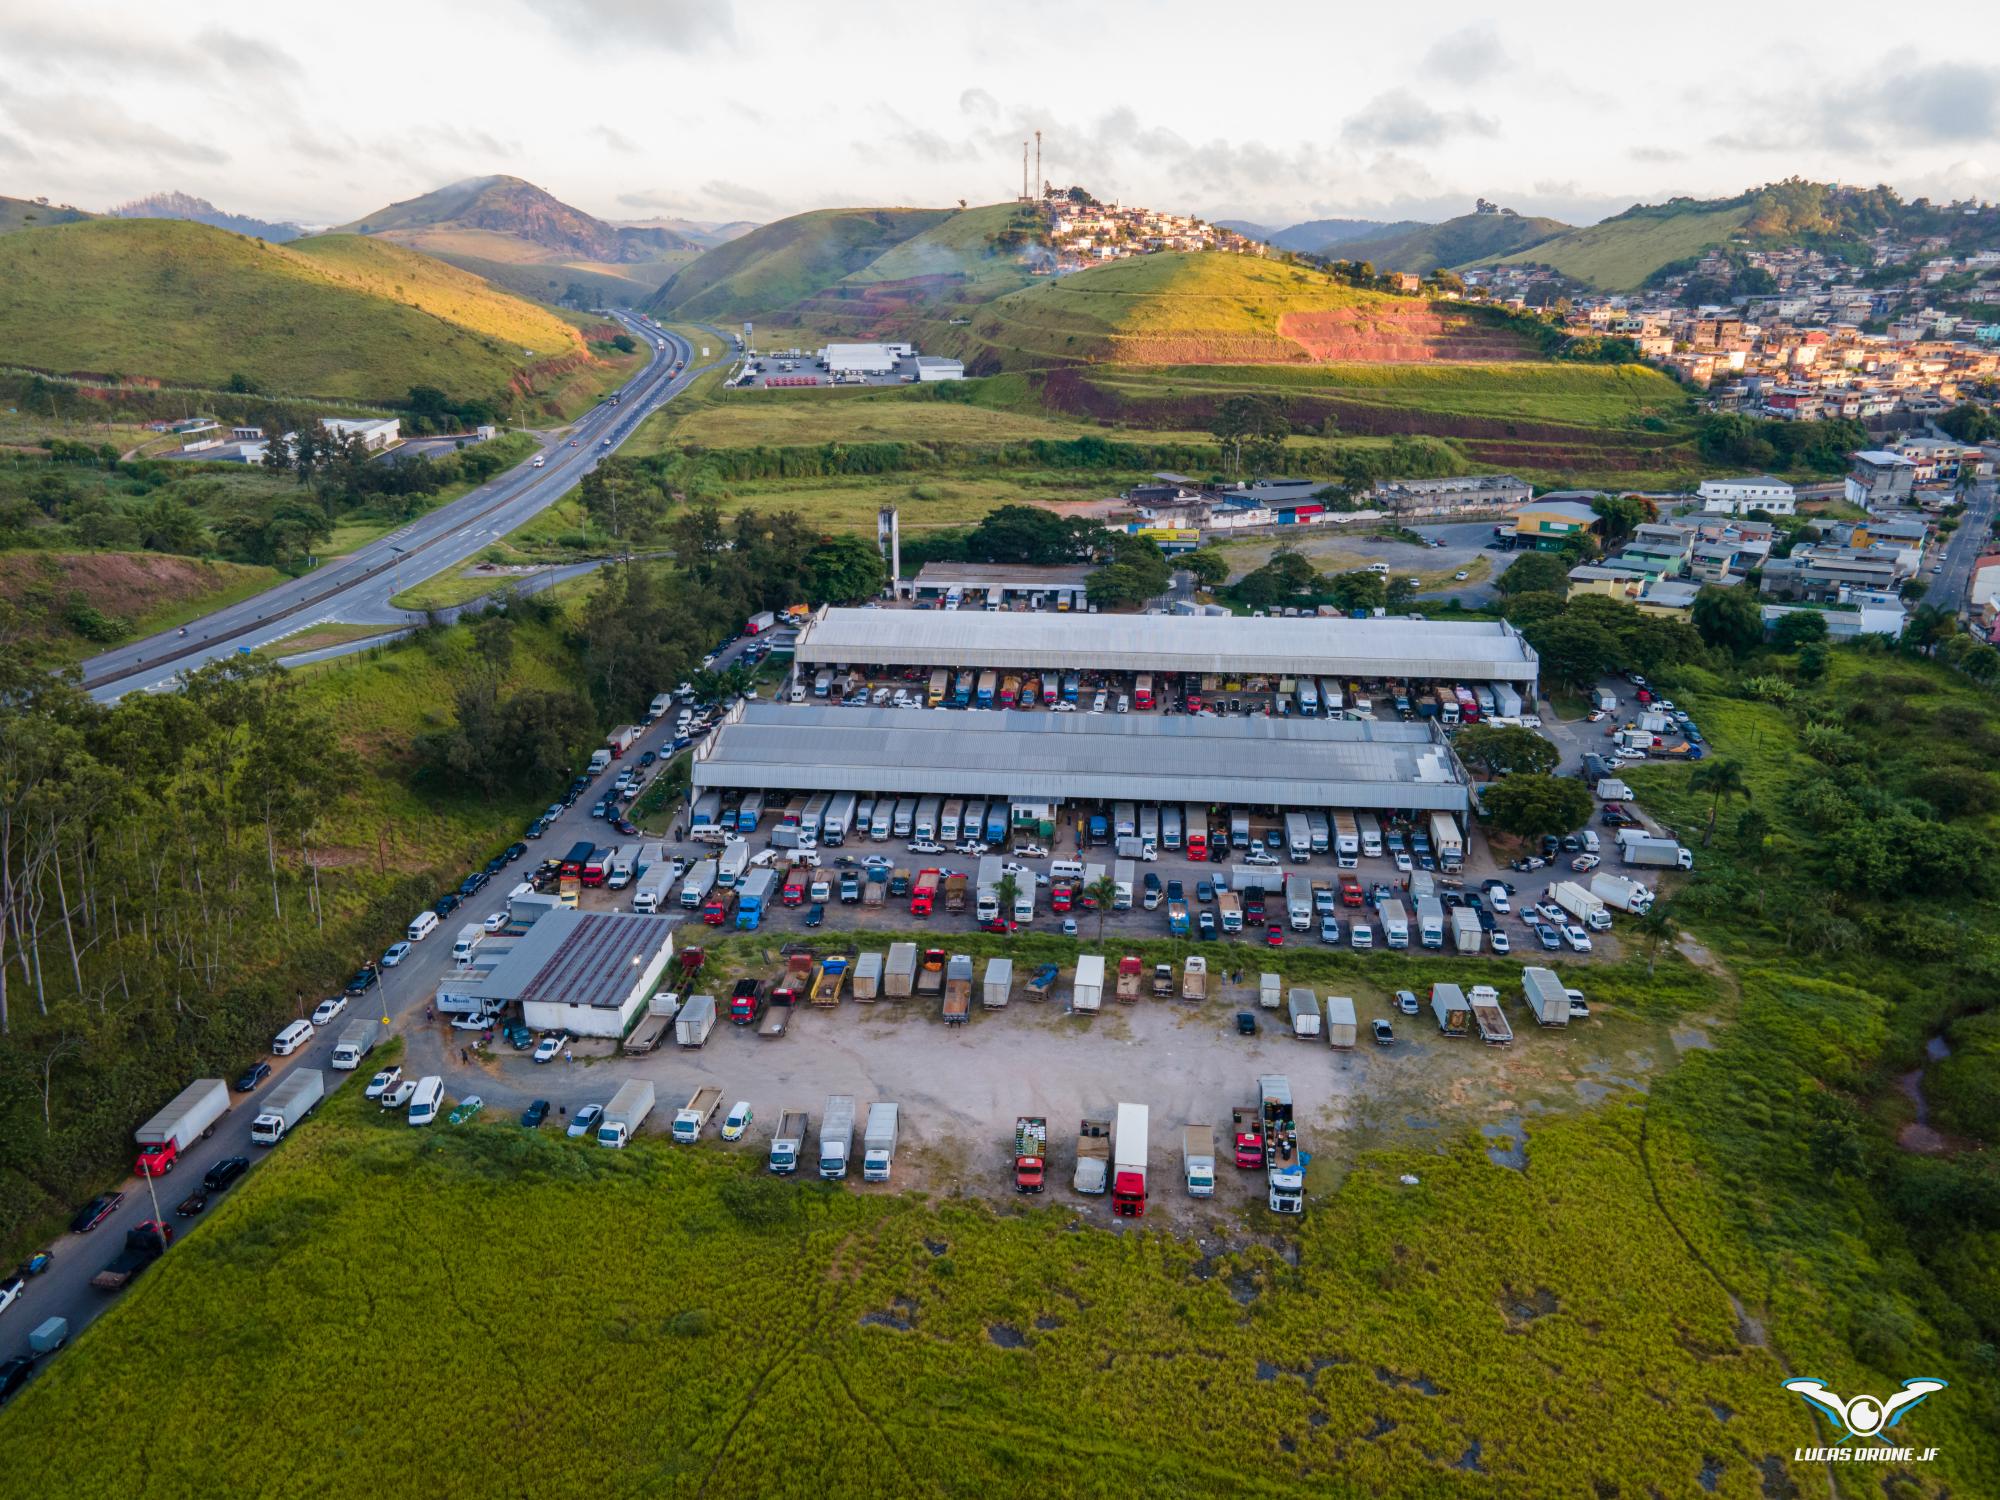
(293, 1037)
(423, 925)
(425, 1102)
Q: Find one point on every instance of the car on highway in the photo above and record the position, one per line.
(549, 1048)
(736, 1121)
(585, 1120)
(363, 979)
(395, 954)
(383, 1082)
(253, 1075)
(96, 1211)
(223, 1173)
(534, 1114)
(328, 1010)
(14, 1373)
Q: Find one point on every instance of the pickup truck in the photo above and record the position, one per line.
(144, 1244)
(693, 1115)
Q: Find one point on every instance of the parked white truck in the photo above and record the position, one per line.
(789, 1141)
(1548, 1001)
(1625, 895)
(290, 1102)
(1303, 1006)
(695, 1021)
(1340, 1021)
(1198, 1160)
(878, 1142)
(1581, 904)
(836, 1137)
(1644, 849)
(355, 1043)
(625, 1113)
(691, 1118)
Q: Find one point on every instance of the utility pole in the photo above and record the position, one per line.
(1040, 186)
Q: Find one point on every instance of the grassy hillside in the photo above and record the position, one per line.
(1213, 309)
(1322, 236)
(774, 266)
(1456, 242)
(1619, 254)
(338, 316)
(25, 213)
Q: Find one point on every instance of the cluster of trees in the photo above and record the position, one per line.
(1581, 639)
(1289, 579)
(1134, 570)
(1727, 437)
(769, 559)
(1971, 424)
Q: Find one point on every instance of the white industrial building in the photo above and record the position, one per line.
(937, 367)
(862, 359)
(376, 433)
(1374, 650)
(1040, 760)
(1753, 492)
(586, 973)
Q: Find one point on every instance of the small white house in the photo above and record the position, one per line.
(1754, 492)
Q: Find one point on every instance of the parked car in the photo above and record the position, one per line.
(469, 1106)
(494, 921)
(445, 905)
(625, 826)
(1274, 936)
(10, 1288)
(1069, 926)
(395, 954)
(400, 1095)
(514, 852)
(1246, 1023)
(584, 1121)
(534, 1114)
(737, 1120)
(14, 1373)
(224, 1172)
(1584, 862)
(471, 1022)
(253, 1075)
(1385, 1034)
(1204, 926)
(550, 1047)
(815, 914)
(1406, 1002)
(1576, 937)
(363, 980)
(1403, 864)
(96, 1211)
(383, 1082)
(1500, 941)
(1547, 937)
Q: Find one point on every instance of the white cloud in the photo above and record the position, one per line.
(1400, 119)
(671, 25)
(615, 140)
(1472, 54)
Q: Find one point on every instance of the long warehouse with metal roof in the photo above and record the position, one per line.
(1376, 649)
(1051, 758)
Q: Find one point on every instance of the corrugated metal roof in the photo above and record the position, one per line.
(578, 958)
(1042, 757)
(1447, 650)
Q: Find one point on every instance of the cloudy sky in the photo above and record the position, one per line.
(714, 110)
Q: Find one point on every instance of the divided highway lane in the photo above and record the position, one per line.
(357, 588)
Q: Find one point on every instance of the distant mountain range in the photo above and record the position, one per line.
(172, 205)
(1320, 236)
(704, 233)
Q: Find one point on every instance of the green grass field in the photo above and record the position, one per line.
(776, 265)
(1619, 254)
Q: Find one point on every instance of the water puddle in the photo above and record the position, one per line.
(1711, 1473)
(1420, 1383)
(1514, 1152)
(1469, 1459)
(1007, 1336)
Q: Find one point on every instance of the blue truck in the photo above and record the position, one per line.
(753, 894)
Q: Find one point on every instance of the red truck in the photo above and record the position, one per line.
(720, 907)
(923, 895)
(190, 1117)
(798, 975)
(595, 867)
(1031, 1149)
(794, 893)
(1350, 889)
(746, 1003)
(1246, 1125)
(1062, 895)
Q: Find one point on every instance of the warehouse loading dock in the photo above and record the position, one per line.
(1045, 759)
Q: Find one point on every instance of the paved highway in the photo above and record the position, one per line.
(1948, 588)
(356, 589)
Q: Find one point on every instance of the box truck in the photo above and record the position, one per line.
(836, 1137)
(1340, 1021)
(1303, 1007)
(1198, 1160)
(900, 974)
(190, 1117)
(625, 1113)
(1548, 1001)
(290, 1102)
(998, 985)
(1625, 895)
(1581, 904)
(1088, 996)
(1466, 933)
(878, 1142)
(355, 1043)
(695, 1021)
(1093, 1158)
(1128, 1158)
(1638, 848)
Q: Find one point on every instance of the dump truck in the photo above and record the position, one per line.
(144, 1244)
(290, 1102)
(1194, 978)
(867, 976)
(1284, 1167)
(1454, 1016)
(1246, 1130)
(1198, 1160)
(746, 1002)
(1548, 1001)
(1625, 895)
(836, 1137)
(1487, 1015)
(1093, 1157)
(954, 894)
(1163, 981)
(1088, 993)
(695, 1021)
(797, 979)
(900, 974)
(355, 1043)
(778, 1018)
(692, 1117)
(190, 1117)
(1270, 991)
(626, 1112)
(789, 1141)
(875, 886)
(1303, 1007)
(958, 989)
(1340, 1021)
(1031, 1152)
(1128, 1162)
(1577, 900)
(930, 977)
(878, 1141)
(829, 978)
(997, 988)
(1131, 973)
(653, 1025)
(1466, 933)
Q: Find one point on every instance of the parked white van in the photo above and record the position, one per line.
(293, 1037)
(426, 1101)
(423, 925)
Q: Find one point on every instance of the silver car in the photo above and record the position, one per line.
(585, 1120)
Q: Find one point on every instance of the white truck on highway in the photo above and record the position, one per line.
(355, 1043)
(878, 1142)
(692, 1117)
(290, 1102)
(625, 1113)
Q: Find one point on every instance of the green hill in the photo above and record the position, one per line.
(1620, 253)
(24, 213)
(1214, 308)
(778, 265)
(1424, 248)
(336, 316)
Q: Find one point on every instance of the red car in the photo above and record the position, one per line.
(1274, 936)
